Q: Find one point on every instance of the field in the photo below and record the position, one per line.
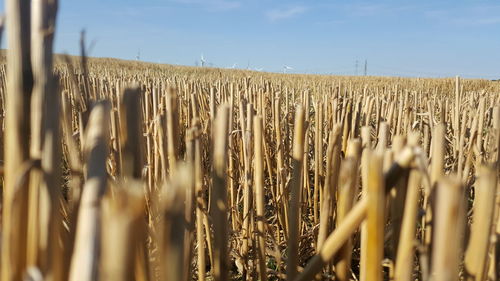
(123, 170)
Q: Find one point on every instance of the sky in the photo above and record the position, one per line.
(398, 38)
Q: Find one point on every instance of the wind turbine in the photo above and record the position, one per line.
(203, 61)
(286, 67)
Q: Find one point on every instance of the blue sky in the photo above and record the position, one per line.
(405, 38)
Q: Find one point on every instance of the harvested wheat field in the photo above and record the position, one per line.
(123, 170)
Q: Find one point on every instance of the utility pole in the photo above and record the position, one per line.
(366, 66)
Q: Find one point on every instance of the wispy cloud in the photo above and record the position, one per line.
(285, 13)
(366, 9)
(374, 9)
